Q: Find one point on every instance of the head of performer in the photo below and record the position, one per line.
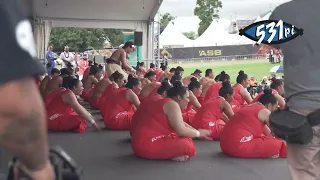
(179, 70)
(151, 75)
(152, 66)
(243, 79)
(268, 99)
(209, 73)
(128, 47)
(226, 91)
(65, 72)
(278, 85)
(134, 84)
(90, 63)
(73, 84)
(117, 78)
(66, 49)
(179, 93)
(96, 72)
(55, 72)
(172, 71)
(223, 77)
(195, 86)
(197, 73)
(164, 67)
(165, 86)
(175, 77)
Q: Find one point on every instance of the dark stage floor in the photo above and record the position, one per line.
(108, 155)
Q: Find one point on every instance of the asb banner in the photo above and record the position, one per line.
(212, 51)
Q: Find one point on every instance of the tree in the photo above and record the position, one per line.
(207, 11)
(79, 39)
(164, 20)
(191, 35)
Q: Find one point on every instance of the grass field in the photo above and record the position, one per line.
(256, 68)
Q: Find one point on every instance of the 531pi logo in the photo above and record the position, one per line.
(271, 32)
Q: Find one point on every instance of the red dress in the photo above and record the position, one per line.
(238, 101)
(117, 111)
(188, 113)
(153, 137)
(243, 136)
(61, 116)
(208, 117)
(105, 95)
(158, 74)
(201, 99)
(213, 91)
(154, 91)
(51, 96)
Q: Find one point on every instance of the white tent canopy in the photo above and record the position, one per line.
(171, 36)
(215, 35)
(121, 14)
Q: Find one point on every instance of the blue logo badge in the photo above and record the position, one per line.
(271, 32)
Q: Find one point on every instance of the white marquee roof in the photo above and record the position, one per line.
(93, 10)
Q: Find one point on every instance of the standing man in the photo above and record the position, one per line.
(302, 55)
(23, 129)
(50, 58)
(67, 58)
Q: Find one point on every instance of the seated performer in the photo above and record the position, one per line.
(193, 104)
(215, 112)
(196, 74)
(54, 73)
(92, 80)
(160, 132)
(209, 75)
(149, 77)
(241, 95)
(277, 91)
(247, 135)
(120, 105)
(64, 111)
(213, 91)
(56, 82)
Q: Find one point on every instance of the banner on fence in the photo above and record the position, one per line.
(212, 51)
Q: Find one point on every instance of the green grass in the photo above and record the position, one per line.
(254, 69)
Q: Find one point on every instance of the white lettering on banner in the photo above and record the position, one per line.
(24, 38)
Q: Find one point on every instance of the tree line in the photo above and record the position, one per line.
(80, 39)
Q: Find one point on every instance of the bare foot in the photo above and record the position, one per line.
(181, 158)
(275, 156)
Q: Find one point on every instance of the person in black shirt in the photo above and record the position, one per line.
(22, 115)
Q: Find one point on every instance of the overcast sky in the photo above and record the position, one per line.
(231, 10)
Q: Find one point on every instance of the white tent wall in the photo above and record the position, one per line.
(171, 36)
(42, 30)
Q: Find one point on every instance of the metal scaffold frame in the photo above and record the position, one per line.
(155, 39)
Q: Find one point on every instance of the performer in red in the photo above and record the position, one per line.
(160, 132)
(193, 104)
(277, 91)
(214, 114)
(65, 113)
(120, 105)
(213, 90)
(92, 80)
(247, 134)
(241, 95)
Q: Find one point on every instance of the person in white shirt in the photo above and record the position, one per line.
(67, 57)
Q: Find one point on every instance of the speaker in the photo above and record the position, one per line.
(138, 38)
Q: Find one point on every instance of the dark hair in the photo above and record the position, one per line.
(208, 71)
(152, 65)
(128, 44)
(197, 71)
(164, 67)
(177, 90)
(217, 77)
(194, 84)
(172, 70)
(94, 70)
(276, 83)
(90, 63)
(165, 86)
(116, 76)
(55, 71)
(225, 89)
(179, 69)
(224, 77)
(65, 72)
(70, 82)
(140, 63)
(241, 77)
(150, 74)
(132, 81)
(100, 66)
(175, 77)
(267, 97)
